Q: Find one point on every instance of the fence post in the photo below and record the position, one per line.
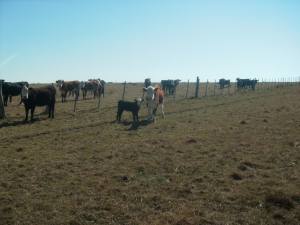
(187, 88)
(206, 87)
(124, 90)
(197, 87)
(2, 111)
(228, 86)
(75, 104)
(215, 87)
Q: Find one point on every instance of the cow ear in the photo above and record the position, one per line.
(155, 89)
(144, 89)
(135, 100)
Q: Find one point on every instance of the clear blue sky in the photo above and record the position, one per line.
(130, 40)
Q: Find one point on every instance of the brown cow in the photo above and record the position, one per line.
(90, 86)
(69, 86)
(155, 97)
(33, 97)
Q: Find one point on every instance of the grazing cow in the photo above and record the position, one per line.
(43, 96)
(147, 82)
(90, 86)
(10, 89)
(155, 97)
(65, 86)
(224, 82)
(133, 107)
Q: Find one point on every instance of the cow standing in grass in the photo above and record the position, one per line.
(155, 97)
(66, 86)
(44, 96)
(133, 107)
(10, 89)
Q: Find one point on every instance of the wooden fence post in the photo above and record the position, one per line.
(2, 111)
(197, 87)
(206, 87)
(187, 88)
(215, 87)
(124, 90)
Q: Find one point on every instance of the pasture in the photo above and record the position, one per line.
(224, 159)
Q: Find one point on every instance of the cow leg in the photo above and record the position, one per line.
(154, 115)
(32, 112)
(162, 111)
(10, 98)
(26, 113)
(52, 109)
(119, 114)
(5, 99)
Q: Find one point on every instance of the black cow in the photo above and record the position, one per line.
(10, 89)
(253, 83)
(147, 82)
(245, 83)
(133, 107)
(101, 88)
(169, 86)
(224, 82)
(43, 96)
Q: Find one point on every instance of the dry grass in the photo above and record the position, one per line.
(224, 159)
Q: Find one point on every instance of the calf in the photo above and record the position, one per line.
(32, 97)
(133, 107)
(155, 97)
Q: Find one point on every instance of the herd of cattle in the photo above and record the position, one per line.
(46, 96)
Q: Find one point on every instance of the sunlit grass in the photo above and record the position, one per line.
(224, 159)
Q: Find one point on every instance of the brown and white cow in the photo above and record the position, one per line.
(155, 97)
(65, 86)
(90, 86)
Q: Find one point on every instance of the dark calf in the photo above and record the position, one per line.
(133, 107)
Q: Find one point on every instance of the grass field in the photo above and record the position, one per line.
(221, 159)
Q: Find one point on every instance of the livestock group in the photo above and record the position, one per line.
(46, 96)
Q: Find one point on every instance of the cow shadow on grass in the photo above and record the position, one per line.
(21, 122)
(133, 125)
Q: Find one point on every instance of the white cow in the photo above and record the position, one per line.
(155, 97)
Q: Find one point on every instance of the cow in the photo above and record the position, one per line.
(224, 82)
(10, 89)
(147, 82)
(169, 86)
(245, 83)
(101, 88)
(90, 86)
(155, 97)
(133, 107)
(44, 96)
(253, 83)
(65, 86)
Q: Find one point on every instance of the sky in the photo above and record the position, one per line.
(42, 41)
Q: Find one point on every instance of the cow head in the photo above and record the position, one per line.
(82, 84)
(59, 83)
(24, 92)
(150, 92)
(138, 101)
